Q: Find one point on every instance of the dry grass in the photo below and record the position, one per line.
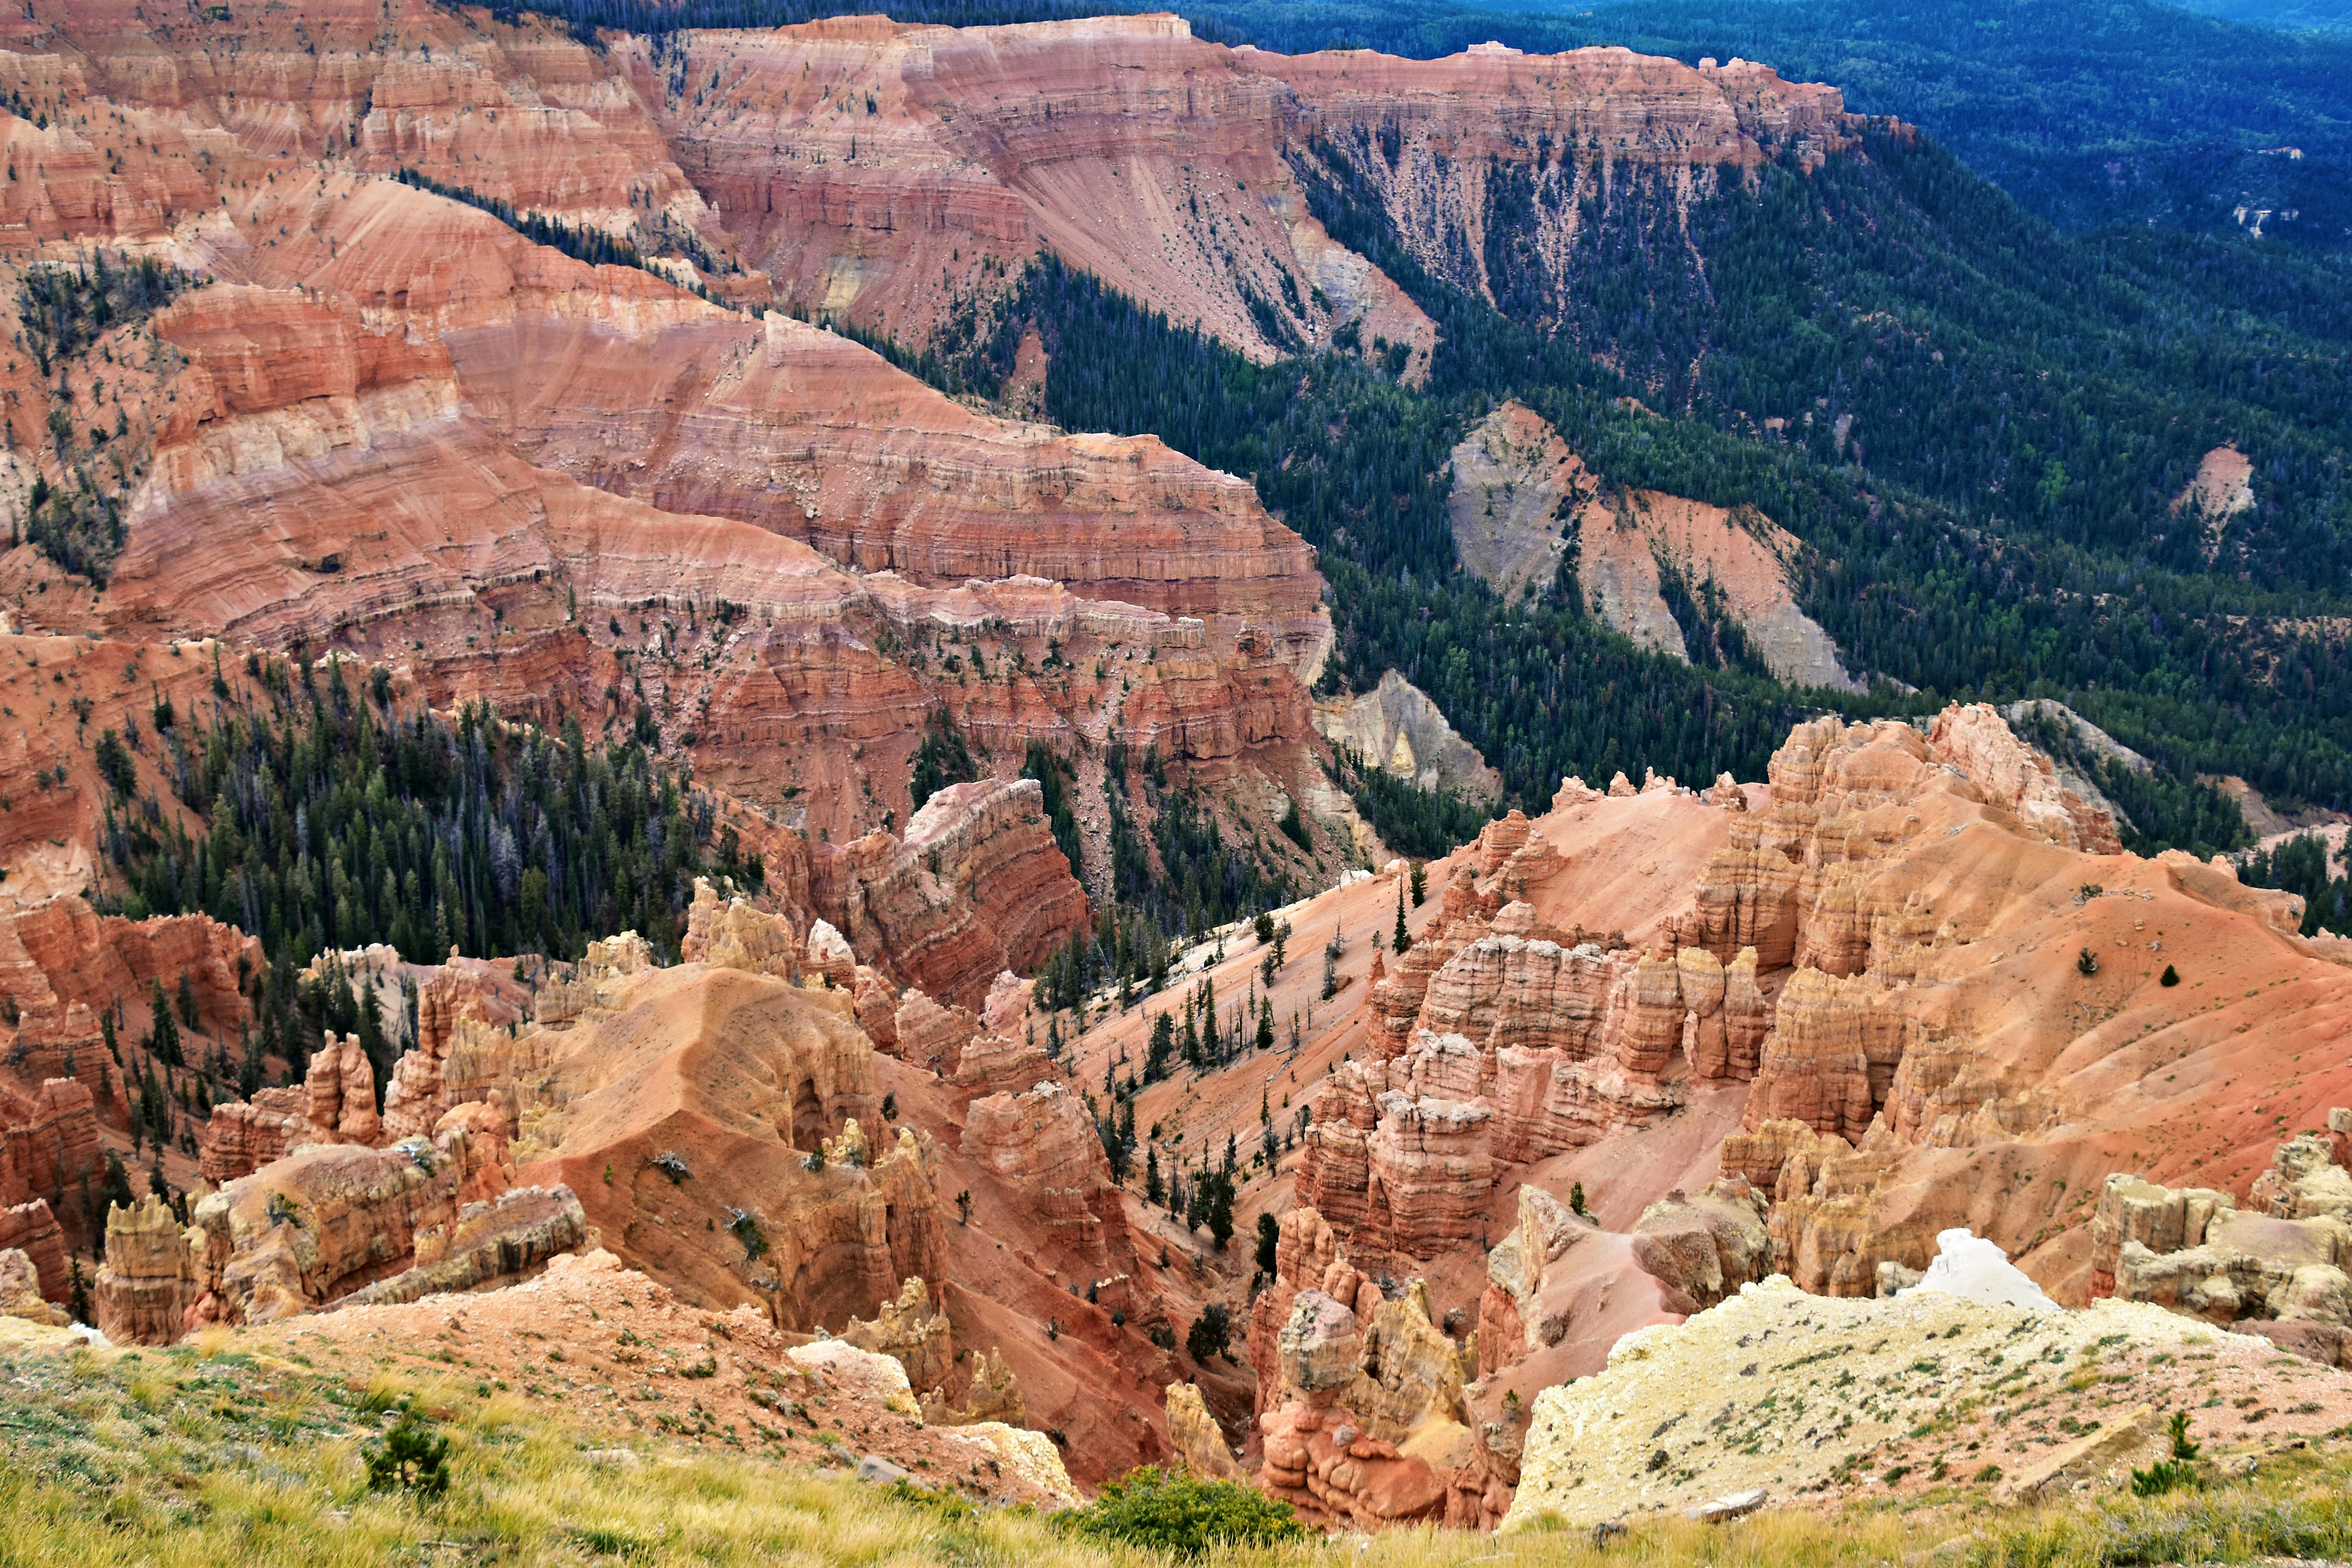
(201, 1456)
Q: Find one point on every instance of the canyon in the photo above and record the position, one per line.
(1375, 1201)
(1907, 985)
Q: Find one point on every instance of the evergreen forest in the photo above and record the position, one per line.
(336, 819)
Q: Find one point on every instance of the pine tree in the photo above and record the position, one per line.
(79, 1297)
(164, 1034)
(1155, 1053)
(115, 1191)
(188, 1013)
(1420, 883)
(1403, 939)
(372, 1041)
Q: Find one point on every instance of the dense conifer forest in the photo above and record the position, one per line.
(335, 820)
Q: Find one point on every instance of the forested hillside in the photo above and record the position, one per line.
(2087, 113)
(1986, 546)
(2288, 14)
(1977, 424)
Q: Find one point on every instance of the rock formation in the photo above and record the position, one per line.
(61, 963)
(32, 1228)
(1517, 1315)
(992, 1394)
(20, 1292)
(335, 1103)
(332, 1220)
(48, 1143)
(1395, 727)
(910, 1331)
(1370, 1424)
(976, 888)
(144, 1293)
(735, 935)
(1194, 1433)
(980, 148)
(1504, 1039)
(2278, 1267)
(707, 1118)
(453, 1015)
(1706, 1247)
(1042, 1144)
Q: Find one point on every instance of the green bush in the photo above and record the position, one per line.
(1169, 1511)
(413, 1458)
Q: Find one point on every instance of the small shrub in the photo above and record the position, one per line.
(2088, 961)
(600, 1542)
(1156, 1511)
(2164, 1476)
(746, 1226)
(413, 1458)
(949, 1508)
(2170, 976)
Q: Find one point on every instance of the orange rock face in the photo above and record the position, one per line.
(32, 1229)
(897, 173)
(48, 1141)
(1042, 1144)
(333, 1220)
(61, 963)
(737, 1099)
(1899, 931)
(448, 429)
(976, 888)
